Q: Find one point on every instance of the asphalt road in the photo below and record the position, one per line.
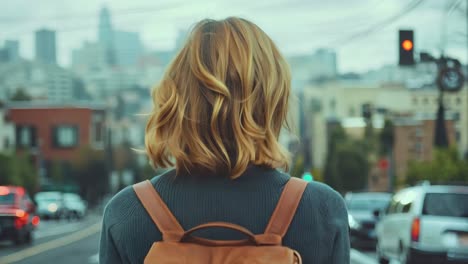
(63, 242)
(77, 243)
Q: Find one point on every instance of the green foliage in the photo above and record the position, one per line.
(56, 172)
(90, 173)
(445, 167)
(18, 170)
(20, 95)
(347, 166)
(298, 167)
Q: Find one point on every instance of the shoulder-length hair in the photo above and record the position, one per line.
(222, 102)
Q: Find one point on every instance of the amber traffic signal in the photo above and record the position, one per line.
(406, 46)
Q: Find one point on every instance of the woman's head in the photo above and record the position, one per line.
(221, 103)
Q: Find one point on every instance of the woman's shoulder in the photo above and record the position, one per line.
(125, 204)
(321, 197)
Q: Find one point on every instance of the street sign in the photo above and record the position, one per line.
(450, 79)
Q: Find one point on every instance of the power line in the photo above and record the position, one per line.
(378, 26)
(126, 11)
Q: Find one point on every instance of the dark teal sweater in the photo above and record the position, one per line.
(319, 230)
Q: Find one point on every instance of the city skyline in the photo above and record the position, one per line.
(359, 47)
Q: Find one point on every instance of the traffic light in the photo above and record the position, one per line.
(307, 176)
(406, 46)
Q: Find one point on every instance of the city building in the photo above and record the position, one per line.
(306, 68)
(414, 140)
(12, 47)
(4, 55)
(7, 131)
(46, 46)
(91, 56)
(39, 80)
(55, 131)
(341, 102)
(106, 35)
(128, 48)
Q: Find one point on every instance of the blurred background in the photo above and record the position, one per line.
(380, 113)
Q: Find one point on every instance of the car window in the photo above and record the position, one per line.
(392, 207)
(446, 204)
(367, 204)
(405, 208)
(7, 199)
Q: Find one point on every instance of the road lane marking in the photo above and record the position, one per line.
(60, 242)
(59, 230)
(361, 258)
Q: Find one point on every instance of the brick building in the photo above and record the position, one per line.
(55, 132)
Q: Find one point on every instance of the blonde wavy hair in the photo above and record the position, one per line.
(222, 102)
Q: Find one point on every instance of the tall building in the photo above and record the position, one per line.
(12, 46)
(45, 46)
(128, 47)
(4, 55)
(106, 35)
(325, 63)
(306, 68)
(41, 80)
(90, 57)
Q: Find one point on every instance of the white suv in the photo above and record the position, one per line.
(425, 224)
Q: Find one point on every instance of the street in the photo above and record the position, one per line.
(77, 242)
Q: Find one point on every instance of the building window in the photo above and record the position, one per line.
(458, 100)
(25, 136)
(425, 101)
(65, 136)
(415, 100)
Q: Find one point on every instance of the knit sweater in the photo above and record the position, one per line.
(318, 231)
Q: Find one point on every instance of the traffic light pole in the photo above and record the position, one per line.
(440, 139)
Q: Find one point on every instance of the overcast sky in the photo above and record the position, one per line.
(297, 26)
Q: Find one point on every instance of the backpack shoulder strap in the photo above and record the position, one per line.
(286, 207)
(158, 211)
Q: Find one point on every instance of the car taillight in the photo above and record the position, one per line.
(36, 220)
(21, 219)
(415, 229)
(20, 213)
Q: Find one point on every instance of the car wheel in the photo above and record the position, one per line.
(28, 237)
(403, 256)
(382, 259)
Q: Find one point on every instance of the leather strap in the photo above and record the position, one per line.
(261, 239)
(157, 209)
(286, 207)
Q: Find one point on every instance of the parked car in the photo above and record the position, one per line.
(75, 206)
(425, 224)
(17, 215)
(50, 205)
(362, 218)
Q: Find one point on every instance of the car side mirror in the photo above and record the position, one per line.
(377, 213)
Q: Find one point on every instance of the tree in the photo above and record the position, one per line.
(352, 166)
(90, 173)
(20, 95)
(446, 167)
(347, 166)
(17, 169)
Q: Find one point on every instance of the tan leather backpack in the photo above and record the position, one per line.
(179, 246)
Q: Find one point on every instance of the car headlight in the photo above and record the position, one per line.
(52, 207)
(353, 223)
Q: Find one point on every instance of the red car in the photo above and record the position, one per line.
(17, 215)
